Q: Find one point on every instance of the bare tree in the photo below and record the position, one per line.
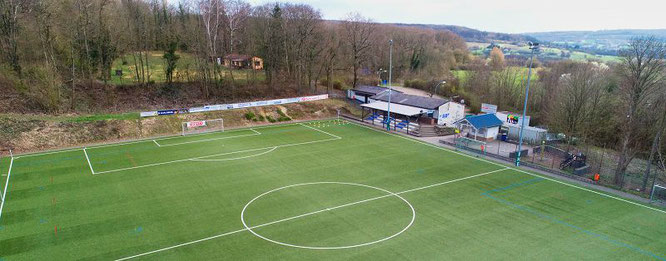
(661, 128)
(237, 14)
(303, 29)
(212, 14)
(359, 32)
(641, 71)
(10, 10)
(579, 98)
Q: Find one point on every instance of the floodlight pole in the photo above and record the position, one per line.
(534, 47)
(437, 88)
(388, 111)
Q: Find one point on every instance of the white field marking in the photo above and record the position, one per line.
(231, 130)
(88, 159)
(211, 139)
(306, 214)
(389, 193)
(4, 192)
(144, 140)
(181, 245)
(158, 145)
(238, 158)
(214, 155)
(320, 131)
(517, 169)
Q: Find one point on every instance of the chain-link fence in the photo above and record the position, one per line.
(582, 162)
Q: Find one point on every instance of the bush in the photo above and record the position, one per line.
(283, 116)
(416, 84)
(249, 116)
(337, 84)
(260, 118)
(270, 119)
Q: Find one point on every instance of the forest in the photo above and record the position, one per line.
(54, 52)
(61, 57)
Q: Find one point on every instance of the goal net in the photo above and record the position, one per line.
(196, 127)
(658, 194)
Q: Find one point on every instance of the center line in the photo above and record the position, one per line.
(311, 213)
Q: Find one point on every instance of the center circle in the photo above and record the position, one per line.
(388, 194)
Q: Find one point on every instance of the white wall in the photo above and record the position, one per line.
(492, 133)
(449, 113)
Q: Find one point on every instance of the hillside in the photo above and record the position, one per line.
(595, 41)
(474, 35)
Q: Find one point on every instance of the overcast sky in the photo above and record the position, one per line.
(509, 16)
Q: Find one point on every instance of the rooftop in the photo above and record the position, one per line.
(483, 121)
(370, 90)
(411, 100)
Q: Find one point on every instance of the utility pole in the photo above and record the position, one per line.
(534, 47)
(388, 111)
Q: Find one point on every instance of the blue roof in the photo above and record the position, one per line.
(484, 121)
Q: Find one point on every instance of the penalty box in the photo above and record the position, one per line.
(173, 150)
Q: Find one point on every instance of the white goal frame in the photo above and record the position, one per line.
(655, 187)
(202, 126)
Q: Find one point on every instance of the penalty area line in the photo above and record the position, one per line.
(256, 133)
(158, 145)
(214, 155)
(311, 213)
(332, 135)
(88, 159)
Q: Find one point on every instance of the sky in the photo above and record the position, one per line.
(508, 16)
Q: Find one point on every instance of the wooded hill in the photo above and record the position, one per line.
(56, 53)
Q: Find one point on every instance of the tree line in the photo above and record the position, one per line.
(54, 49)
(620, 106)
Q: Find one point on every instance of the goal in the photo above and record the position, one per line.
(658, 194)
(197, 127)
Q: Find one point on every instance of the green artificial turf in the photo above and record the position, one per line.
(317, 190)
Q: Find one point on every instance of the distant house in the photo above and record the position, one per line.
(241, 61)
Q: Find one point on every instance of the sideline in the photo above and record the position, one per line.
(4, 192)
(510, 167)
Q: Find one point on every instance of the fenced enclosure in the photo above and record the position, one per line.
(578, 161)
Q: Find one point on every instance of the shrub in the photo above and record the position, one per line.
(249, 116)
(279, 111)
(261, 118)
(337, 84)
(283, 116)
(416, 84)
(270, 119)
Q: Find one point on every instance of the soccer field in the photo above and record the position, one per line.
(315, 190)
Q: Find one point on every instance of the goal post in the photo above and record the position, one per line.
(203, 126)
(658, 194)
